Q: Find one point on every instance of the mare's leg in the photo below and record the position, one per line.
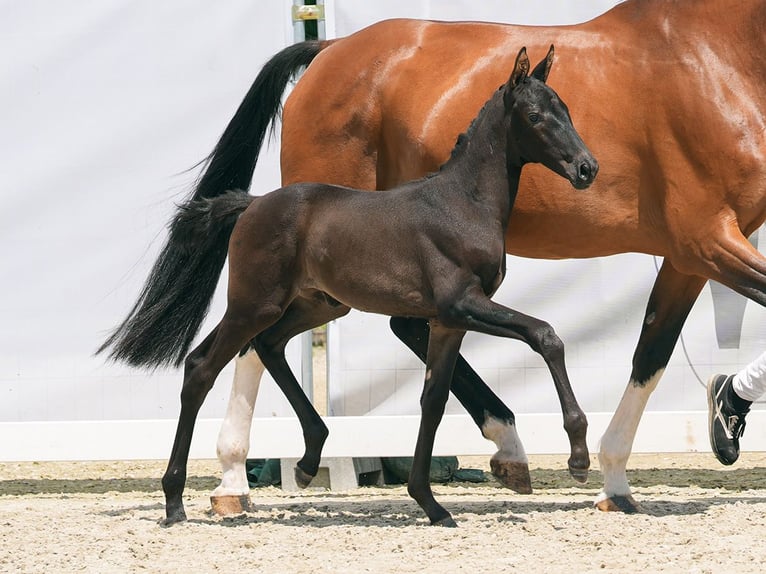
(673, 296)
(474, 311)
(730, 259)
(200, 371)
(443, 347)
(232, 495)
(300, 316)
(496, 421)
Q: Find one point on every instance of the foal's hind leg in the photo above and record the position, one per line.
(200, 371)
(443, 347)
(495, 420)
(232, 496)
(474, 311)
(302, 314)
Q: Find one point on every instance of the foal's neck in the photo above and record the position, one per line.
(479, 164)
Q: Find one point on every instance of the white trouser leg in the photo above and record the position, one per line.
(750, 382)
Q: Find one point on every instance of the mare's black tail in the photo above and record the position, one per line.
(231, 164)
(172, 305)
(176, 297)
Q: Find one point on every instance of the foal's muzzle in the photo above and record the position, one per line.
(586, 172)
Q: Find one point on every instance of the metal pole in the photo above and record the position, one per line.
(301, 14)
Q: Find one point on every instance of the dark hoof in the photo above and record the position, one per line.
(513, 475)
(625, 504)
(174, 518)
(579, 474)
(302, 479)
(446, 522)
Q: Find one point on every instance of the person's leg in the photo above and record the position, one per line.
(749, 384)
(729, 400)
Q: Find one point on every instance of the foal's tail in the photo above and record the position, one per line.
(176, 297)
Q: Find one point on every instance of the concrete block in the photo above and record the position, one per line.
(336, 473)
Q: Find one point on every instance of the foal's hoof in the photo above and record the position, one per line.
(230, 504)
(513, 475)
(625, 504)
(302, 478)
(579, 474)
(447, 522)
(174, 517)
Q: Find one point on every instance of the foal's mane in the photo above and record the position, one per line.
(464, 137)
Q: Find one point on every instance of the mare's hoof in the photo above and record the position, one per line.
(625, 504)
(230, 504)
(302, 478)
(579, 474)
(513, 475)
(447, 522)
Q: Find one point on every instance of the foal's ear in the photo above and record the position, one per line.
(520, 69)
(542, 69)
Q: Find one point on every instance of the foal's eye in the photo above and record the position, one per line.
(534, 117)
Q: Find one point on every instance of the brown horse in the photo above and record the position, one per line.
(672, 108)
(432, 249)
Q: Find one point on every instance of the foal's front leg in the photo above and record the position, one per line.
(474, 311)
(443, 348)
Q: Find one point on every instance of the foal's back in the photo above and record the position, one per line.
(370, 251)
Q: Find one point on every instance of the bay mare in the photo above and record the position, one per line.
(672, 107)
(432, 248)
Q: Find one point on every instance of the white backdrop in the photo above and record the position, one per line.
(103, 107)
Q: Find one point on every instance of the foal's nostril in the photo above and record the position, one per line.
(585, 171)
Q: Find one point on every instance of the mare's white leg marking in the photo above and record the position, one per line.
(504, 435)
(234, 437)
(617, 442)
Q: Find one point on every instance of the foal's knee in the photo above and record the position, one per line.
(546, 341)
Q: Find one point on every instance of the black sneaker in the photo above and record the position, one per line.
(725, 425)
